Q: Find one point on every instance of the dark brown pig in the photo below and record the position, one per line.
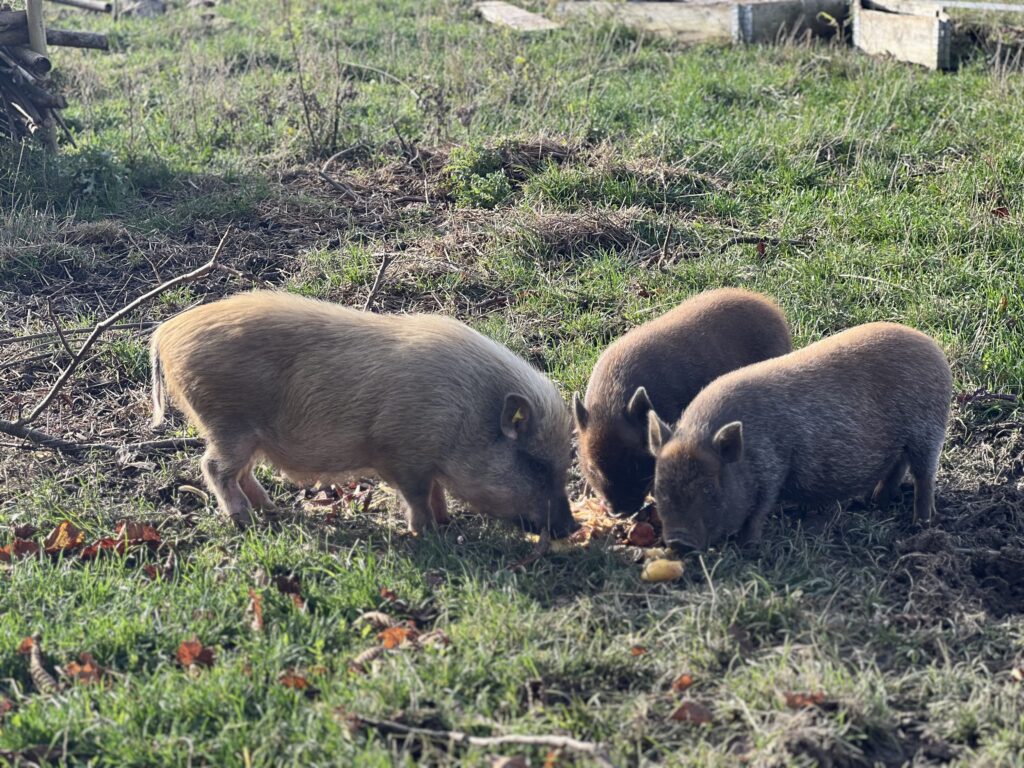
(663, 364)
(323, 392)
(842, 417)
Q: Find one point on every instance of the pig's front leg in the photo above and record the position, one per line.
(438, 504)
(749, 536)
(416, 496)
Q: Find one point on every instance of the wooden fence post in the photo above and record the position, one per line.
(37, 42)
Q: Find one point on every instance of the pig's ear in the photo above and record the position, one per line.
(658, 433)
(728, 441)
(579, 410)
(639, 405)
(515, 416)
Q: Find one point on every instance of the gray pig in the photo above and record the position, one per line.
(662, 365)
(322, 392)
(825, 423)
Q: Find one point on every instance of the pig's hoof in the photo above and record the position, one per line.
(242, 520)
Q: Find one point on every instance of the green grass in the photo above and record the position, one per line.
(553, 191)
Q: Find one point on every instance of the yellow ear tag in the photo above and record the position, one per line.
(518, 416)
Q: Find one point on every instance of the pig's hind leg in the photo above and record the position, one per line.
(416, 493)
(923, 467)
(222, 472)
(888, 488)
(255, 492)
(438, 504)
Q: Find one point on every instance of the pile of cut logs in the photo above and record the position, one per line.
(29, 101)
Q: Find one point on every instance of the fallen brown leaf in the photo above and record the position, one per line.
(393, 637)
(64, 538)
(86, 670)
(294, 680)
(692, 712)
(25, 646)
(25, 531)
(682, 682)
(192, 652)
(6, 705)
(289, 585)
(134, 532)
(103, 545)
(388, 595)
(637, 650)
(1001, 212)
(18, 549)
(255, 611)
(799, 700)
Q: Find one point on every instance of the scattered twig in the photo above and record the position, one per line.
(140, 326)
(595, 751)
(340, 186)
(983, 395)
(20, 427)
(59, 331)
(112, 319)
(384, 262)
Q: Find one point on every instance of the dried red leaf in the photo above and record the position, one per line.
(103, 545)
(760, 248)
(6, 705)
(392, 637)
(682, 682)
(388, 595)
(692, 712)
(17, 549)
(637, 650)
(64, 538)
(88, 671)
(294, 680)
(134, 532)
(255, 610)
(25, 647)
(151, 572)
(194, 652)
(1001, 212)
(25, 531)
(641, 535)
(799, 700)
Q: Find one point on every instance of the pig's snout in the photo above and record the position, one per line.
(682, 544)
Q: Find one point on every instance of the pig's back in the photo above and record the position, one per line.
(674, 356)
(290, 367)
(836, 412)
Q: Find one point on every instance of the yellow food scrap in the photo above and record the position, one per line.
(662, 570)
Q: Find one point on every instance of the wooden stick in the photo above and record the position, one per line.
(384, 262)
(37, 42)
(34, 62)
(58, 329)
(110, 321)
(86, 5)
(58, 37)
(12, 20)
(595, 751)
(140, 326)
